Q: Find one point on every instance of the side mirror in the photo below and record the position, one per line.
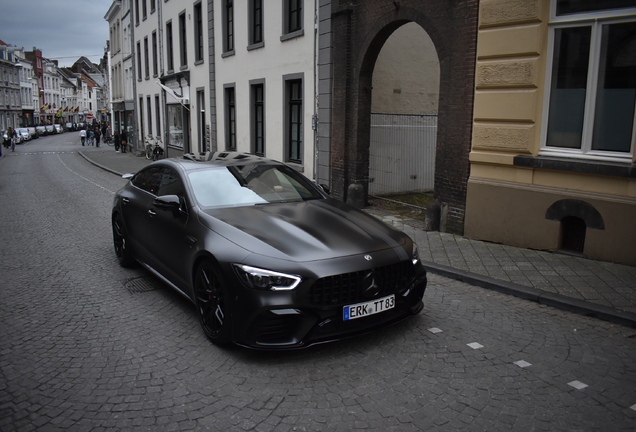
(170, 203)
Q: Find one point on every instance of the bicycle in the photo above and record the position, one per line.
(153, 152)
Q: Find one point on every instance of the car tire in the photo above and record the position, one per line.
(121, 243)
(211, 303)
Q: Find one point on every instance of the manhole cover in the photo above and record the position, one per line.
(139, 285)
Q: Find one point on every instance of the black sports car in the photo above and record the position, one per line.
(267, 257)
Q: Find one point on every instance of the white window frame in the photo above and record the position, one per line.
(596, 20)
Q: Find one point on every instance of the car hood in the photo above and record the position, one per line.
(303, 231)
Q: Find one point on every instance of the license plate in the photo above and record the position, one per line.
(372, 307)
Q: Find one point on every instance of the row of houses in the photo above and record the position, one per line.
(534, 102)
(34, 90)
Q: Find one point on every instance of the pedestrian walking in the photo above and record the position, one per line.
(117, 141)
(83, 136)
(91, 137)
(12, 137)
(123, 141)
(97, 136)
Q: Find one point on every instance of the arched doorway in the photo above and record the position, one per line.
(360, 31)
(404, 106)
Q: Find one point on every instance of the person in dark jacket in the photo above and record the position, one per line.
(123, 141)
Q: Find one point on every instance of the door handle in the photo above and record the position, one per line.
(152, 213)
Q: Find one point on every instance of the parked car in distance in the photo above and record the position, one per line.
(69, 126)
(58, 128)
(41, 130)
(33, 132)
(50, 129)
(24, 132)
(267, 257)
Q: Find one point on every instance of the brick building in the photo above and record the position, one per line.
(359, 29)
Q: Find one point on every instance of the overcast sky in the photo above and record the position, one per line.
(63, 29)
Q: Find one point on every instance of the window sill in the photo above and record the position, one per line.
(292, 35)
(616, 169)
(297, 166)
(227, 54)
(256, 45)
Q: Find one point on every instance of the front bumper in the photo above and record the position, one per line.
(304, 317)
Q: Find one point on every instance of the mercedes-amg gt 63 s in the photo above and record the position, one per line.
(267, 257)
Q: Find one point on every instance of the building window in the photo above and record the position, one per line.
(592, 80)
(228, 27)
(154, 55)
(256, 22)
(146, 58)
(157, 116)
(141, 119)
(294, 120)
(144, 5)
(230, 118)
(258, 118)
(183, 46)
(174, 125)
(201, 138)
(139, 61)
(136, 12)
(169, 46)
(292, 17)
(149, 113)
(153, 5)
(198, 33)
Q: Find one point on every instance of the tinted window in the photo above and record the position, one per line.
(170, 183)
(148, 179)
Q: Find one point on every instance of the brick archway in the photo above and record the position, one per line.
(360, 29)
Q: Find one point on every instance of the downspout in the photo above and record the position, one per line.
(314, 117)
(138, 146)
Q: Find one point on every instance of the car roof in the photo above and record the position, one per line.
(192, 161)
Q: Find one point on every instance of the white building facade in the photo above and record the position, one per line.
(265, 71)
(221, 75)
(121, 66)
(171, 75)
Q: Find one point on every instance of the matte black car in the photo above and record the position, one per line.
(267, 257)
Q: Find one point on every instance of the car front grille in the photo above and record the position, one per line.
(349, 288)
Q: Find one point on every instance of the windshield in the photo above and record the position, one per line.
(248, 185)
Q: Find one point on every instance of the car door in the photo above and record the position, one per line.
(136, 203)
(170, 238)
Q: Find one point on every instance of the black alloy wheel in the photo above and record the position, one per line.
(120, 242)
(211, 303)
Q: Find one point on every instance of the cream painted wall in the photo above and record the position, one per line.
(507, 203)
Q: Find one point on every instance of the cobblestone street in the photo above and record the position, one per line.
(88, 345)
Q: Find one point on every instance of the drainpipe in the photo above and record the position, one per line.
(137, 145)
(314, 117)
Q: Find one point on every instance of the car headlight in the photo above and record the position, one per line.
(415, 257)
(262, 279)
